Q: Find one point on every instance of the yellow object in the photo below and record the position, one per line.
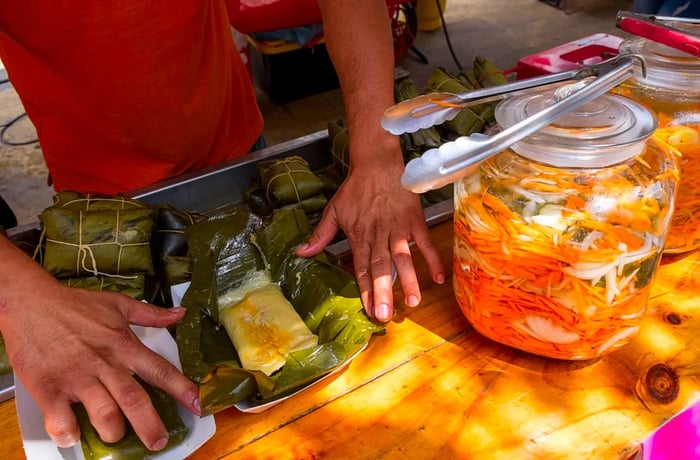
(265, 328)
(428, 14)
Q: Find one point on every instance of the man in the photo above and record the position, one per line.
(127, 92)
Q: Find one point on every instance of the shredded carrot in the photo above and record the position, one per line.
(683, 138)
(560, 263)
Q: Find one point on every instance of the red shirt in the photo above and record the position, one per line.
(125, 93)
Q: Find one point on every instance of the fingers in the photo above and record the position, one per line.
(401, 254)
(136, 405)
(143, 314)
(59, 421)
(162, 374)
(431, 255)
(103, 412)
(322, 236)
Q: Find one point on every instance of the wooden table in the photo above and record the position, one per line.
(434, 388)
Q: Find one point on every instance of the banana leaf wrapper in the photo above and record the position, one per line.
(488, 73)
(133, 286)
(339, 138)
(207, 353)
(5, 367)
(331, 178)
(130, 446)
(106, 242)
(223, 245)
(423, 139)
(287, 181)
(467, 120)
(89, 202)
(171, 260)
(257, 202)
(310, 205)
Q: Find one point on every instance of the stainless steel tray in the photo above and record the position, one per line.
(225, 185)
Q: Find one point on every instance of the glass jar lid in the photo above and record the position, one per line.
(603, 132)
(666, 67)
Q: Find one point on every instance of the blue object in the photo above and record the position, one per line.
(675, 8)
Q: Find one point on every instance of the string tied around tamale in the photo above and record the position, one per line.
(85, 250)
(285, 163)
(90, 199)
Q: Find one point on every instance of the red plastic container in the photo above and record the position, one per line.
(572, 55)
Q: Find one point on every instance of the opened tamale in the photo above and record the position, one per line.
(265, 328)
(130, 446)
(287, 181)
(207, 353)
(105, 242)
(132, 285)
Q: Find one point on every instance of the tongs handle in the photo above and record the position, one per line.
(656, 29)
(454, 160)
(436, 108)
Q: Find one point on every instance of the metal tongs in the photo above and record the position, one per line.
(456, 159)
(658, 29)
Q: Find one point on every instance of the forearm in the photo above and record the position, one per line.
(18, 274)
(359, 41)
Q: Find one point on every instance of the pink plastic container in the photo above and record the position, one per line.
(679, 439)
(568, 56)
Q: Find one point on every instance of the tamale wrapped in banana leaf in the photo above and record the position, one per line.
(265, 328)
(423, 139)
(132, 285)
(468, 120)
(89, 202)
(4, 360)
(130, 446)
(288, 180)
(340, 146)
(207, 353)
(257, 201)
(104, 242)
(171, 260)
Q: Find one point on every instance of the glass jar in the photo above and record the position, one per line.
(558, 238)
(671, 89)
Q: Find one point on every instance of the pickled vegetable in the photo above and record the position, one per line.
(679, 126)
(557, 261)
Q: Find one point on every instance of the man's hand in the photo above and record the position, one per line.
(70, 345)
(380, 218)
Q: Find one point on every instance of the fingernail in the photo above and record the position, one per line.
(440, 278)
(412, 301)
(177, 310)
(160, 444)
(382, 312)
(303, 246)
(66, 441)
(197, 408)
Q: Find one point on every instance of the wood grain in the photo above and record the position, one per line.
(434, 388)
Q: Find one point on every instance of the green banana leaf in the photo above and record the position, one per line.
(130, 446)
(340, 146)
(88, 202)
(5, 367)
(287, 181)
(171, 261)
(325, 296)
(257, 202)
(103, 242)
(133, 285)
